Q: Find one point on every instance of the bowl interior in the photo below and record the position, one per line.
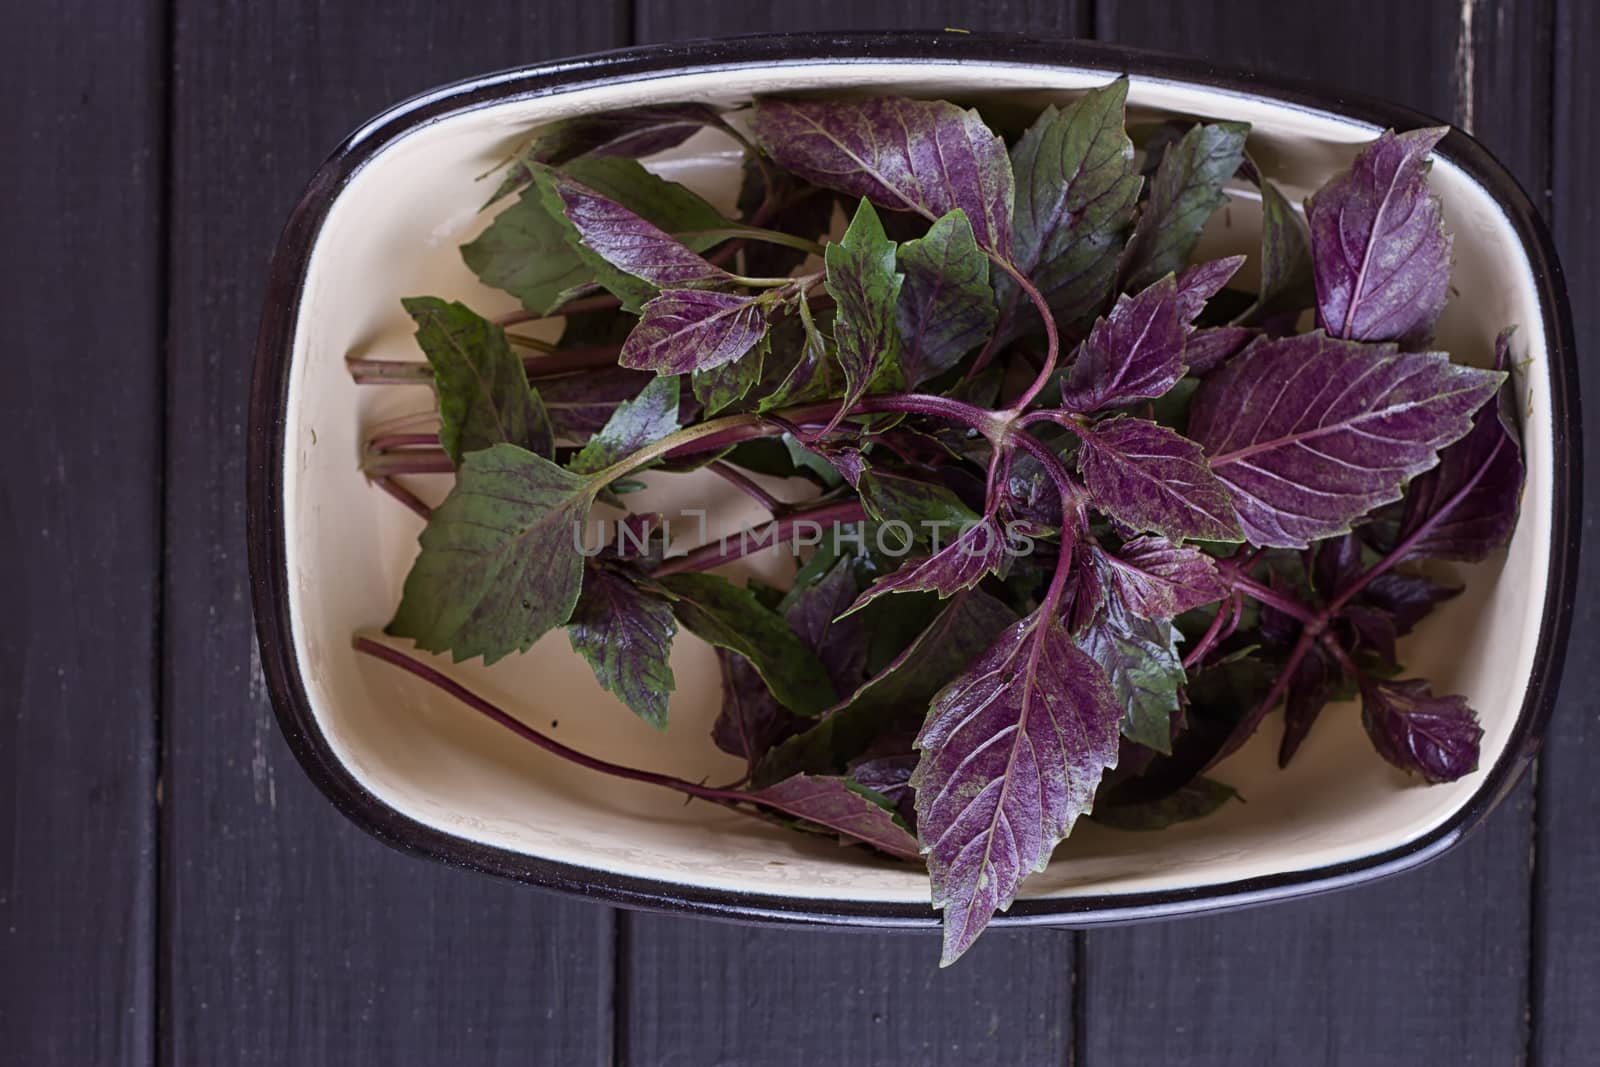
(393, 232)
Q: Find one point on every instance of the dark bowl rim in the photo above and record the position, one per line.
(269, 395)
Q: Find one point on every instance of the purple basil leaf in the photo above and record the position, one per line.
(978, 551)
(1310, 688)
(535, 252)
(933, 512)
(1209, 348)
(898, 694)
(631, 243)
(852, 811)
(1310, 433)
(1076, 190)
(847, 460)
(635, 132)
(1030, 495)
(579, 404)
(807, 460)
(1434, 736)
(1278, 628)
(1218, 697)
(1154, 481)
(864, 284)
(667, 205)
(723, 614)
(832, 461)
(1141, 661)
(798, 364)
(751, 720)
(641, 536)
(1203, 281)
(484, 397)
(926, 156)
(803, 211)
(1466, 507)
(718, 388)
(887, 776)
(1183, 194)
(525, 252)
(685, 330)
(813, 612)
(890, 778)
(946, 307)
(645, 419)
(625, 632)
(1372, 629)
(1381, 255)
(1286, 276)
(1088, 589)
(1135, 353)
(1157, 579)
(498, 566)
(629, 133)
(1012, 753)
(1335, 563)
(1406, 598)
(639, 131)
(1194, 800)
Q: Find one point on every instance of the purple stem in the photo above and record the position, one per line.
(1070, 494)
(1052, 352)
(385, 441)
(1238, 612)
(536, 364)
(404, 495)
(737, 478)
(1272, 598)
(790, 419)
(1340, 656)
(1315, 624)
(410, 461)
(1212, 635)
(389, 371)
(728, 797)
(549, 744)
(1065, 484)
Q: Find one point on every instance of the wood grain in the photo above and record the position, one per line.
(290, 936)
(1567, 946)
(709, 994)
(1431, 967)
(80, 528)
(707, 18)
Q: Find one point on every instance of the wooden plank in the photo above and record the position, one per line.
(80, 528)
(291, 936)
(1431, 967)
(1567, 928)
(1405, 52)
(709, 993)
(733, 992)
(708, 18)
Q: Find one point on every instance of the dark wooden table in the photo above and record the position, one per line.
(173, 890)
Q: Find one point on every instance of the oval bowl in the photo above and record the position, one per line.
(382, 220)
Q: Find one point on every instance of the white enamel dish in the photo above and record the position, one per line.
(383, 220)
